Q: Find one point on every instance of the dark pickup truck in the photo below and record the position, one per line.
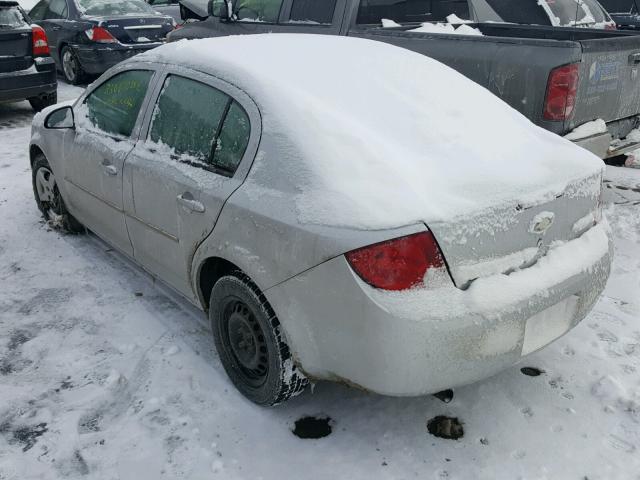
(558, 77)
(26, 69)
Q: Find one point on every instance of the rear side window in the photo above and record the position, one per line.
(233, 139)
(619, 6)
(57, 9)
(11, 17)
(113, 107)
(200, 125)
(187, 118)
(410, 11)
(40, 10)
(312, 11)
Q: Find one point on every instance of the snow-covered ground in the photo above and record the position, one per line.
(105, 375)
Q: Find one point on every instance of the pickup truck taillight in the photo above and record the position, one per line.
(100, 35)
(40, 44)
(561, 92)
(398, 264)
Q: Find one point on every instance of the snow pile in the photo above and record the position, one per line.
(588, 129)
(381, 143)
(446, 28)
(386, 23)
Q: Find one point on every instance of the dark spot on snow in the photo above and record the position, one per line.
(138, 294)
(18, 338)
(445, 427)
(80, 463)
(26, 436)
(312, 427)
(6, 367)
(445, 395)
(90, 423)
(484, 441)
(531, 371)
(384, 464)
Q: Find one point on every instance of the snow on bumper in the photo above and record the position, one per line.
(423, 341)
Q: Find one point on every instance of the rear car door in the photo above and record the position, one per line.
(15, 40)
(54, 21)
(107, 125)
(199, 139)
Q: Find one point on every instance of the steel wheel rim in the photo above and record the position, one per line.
(47, 189)
(245, 342)
(68, 65)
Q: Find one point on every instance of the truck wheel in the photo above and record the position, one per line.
(48, 198)
(43, 101)
(71, 68)
(250, 343)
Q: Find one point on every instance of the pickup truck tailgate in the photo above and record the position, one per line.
(609, 86)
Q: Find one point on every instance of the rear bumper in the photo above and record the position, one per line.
(97, 59)
(423, 341)
(39, 79)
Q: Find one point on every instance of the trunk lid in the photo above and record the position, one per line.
(511, 237)
(609, 85)
(137, 30)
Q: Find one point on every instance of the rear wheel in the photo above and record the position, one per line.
(71, 68)
(250, 342)
(43, 101)
(48, 198)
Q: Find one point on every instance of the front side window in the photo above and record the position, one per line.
(57, 9)
(187, 117)
(411, 11)
(113, 107)
(102, 8)
(258, 10)
(312, 11)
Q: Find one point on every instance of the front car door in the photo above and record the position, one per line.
(107, 120)
(199, 138)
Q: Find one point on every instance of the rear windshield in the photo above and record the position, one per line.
(620, 6)
(550, 12)
(410, 11)
(11, 17)
(102, 8)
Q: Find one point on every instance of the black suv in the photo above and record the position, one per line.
(27, 71)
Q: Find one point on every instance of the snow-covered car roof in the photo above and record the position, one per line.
(370, 135)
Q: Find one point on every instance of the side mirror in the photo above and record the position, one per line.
(60, 118)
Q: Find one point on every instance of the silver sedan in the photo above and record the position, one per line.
(342, 209)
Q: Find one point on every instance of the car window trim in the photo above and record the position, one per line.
(233, 92)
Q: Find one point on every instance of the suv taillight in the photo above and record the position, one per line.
(561, 92)
(40, 44)
(397, 264)
(100, 35)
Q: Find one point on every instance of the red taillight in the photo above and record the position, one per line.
(40, 44)
(561, 92)
(100, 35)
(397, 264)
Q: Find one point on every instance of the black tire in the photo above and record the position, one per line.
(71, 68)
(43, 101)
(52, 208)
(250, 342)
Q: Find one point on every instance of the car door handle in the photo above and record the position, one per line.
(109, 169)
(190, 203)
